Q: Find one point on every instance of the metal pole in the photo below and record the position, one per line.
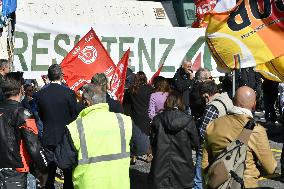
(234, 82)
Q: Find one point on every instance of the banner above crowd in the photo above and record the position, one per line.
(250, 35)
(38, 45)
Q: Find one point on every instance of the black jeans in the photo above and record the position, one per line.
(269, 102)
(68, 184)
(11, 179)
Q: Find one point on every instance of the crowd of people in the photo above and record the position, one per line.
(94, 139)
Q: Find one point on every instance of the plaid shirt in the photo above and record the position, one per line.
(210, 113)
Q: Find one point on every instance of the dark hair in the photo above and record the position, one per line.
(156, 80)
(27, 85)
(174, 100)
(162, 85)
(208, 87)
(12, 84)
(139, 80)
(3, 63)
(54, 72)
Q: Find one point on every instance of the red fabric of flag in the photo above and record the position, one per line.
(119, 76)
(202, 7)
(87, 58)
(156, 74)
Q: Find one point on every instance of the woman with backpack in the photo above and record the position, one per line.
(173, 134)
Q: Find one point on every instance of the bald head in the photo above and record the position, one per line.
(245, 98)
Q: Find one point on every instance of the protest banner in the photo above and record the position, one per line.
(38, 45)
(250, 35)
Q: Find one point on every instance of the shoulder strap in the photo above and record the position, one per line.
(246, 132)
(243, 137)
(222, 104)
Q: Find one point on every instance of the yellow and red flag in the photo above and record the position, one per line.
(249, 35)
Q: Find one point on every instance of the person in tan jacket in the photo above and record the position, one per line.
(222, 131)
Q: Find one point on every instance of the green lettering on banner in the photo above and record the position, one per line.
(77, 39)
(20, 51)
(108, 41)
(123, 40)
(142, 49)
(194, 49)
(59, 50)
(36, 50)
(170, 43)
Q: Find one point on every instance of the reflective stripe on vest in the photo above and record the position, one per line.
(86, 160)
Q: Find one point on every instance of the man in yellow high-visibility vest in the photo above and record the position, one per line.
(96, 144)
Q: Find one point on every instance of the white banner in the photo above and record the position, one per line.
(38, 45)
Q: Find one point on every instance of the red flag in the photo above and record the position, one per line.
(197, 63)
(119, 76)
(156, 74)
(87, 58)
(202, 7)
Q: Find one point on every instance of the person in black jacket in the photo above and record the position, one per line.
(197, 103)
(270, 94)
(19, 141)
(183, 81)
(139, 94)
(173, 134)
(57, 108)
